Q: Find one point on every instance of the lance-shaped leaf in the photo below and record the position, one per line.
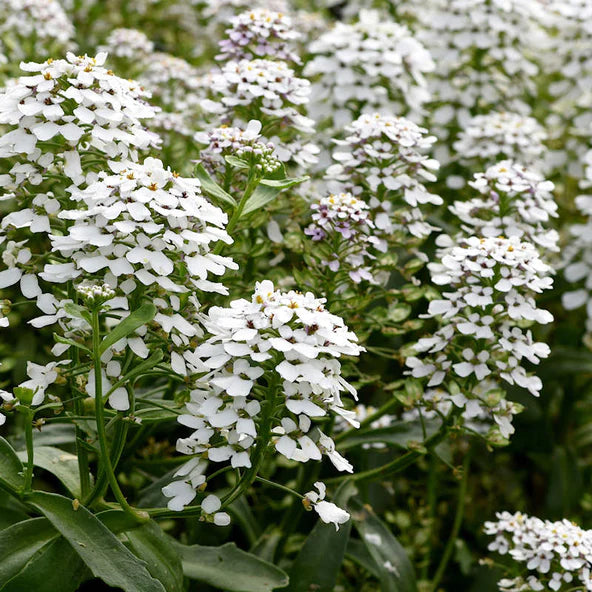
(211, 188)
(102, 552)
(127, 326)
(11, 468)
(229, 568)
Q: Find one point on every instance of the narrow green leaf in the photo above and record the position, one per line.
(236, 162)
(229, 568)
(102, 552)
(77, 311)
(55, 567)
(317, 565)
(210, 187)
(261, 197)
(134, 321)
(63, 465)
(11, 468)
(357, 552)
(71, 342)
(164, 563)
(395, 571)
(284, 183)
(19, 542)
(266, 545)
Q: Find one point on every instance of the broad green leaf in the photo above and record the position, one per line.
(318, 563)
(266, 544)
(19, 542)
(55, 567)
(358, 552)
(284, 183)
(63, 465)
(134, 321)
(399, 434)
(210, 187)
(117, 521)
(236, 162)
(77, 311)
(164, 563)
(395, 571)
(11, 468)
(261, 197)
(102, 552)
(229, 568)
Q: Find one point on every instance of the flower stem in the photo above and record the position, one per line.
(100, 420)
(30, 452)
(458, 518)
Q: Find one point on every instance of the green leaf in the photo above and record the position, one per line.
(236, 162)
(210, 187)
(395, 571)
(164, 563)
(266, 545)
(54, 567)
(146, 365)
(19, 542)
(77, 311)
(284, 183)
(71, 342)
(399, 434)
(357, 552)
(134, 321)
(229, 568)
(261, 197)
(102, 552)
(63, 465)
(11, 468)
(317, 565)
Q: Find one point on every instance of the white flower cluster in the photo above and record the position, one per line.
(485, 51)
(372, 64)
(344, 218)
(492, 284)
(513, 201)
(291, 344)
(487, 138)
(34, 28)
(233, 141)
(557, 555)
(178, 88)
(385, 156)
(260, 33)
(143, 223)
(567, 63)
(130, 44)
(577, 262)
(272, 85)
(78, 103)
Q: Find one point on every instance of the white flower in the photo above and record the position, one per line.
(327, 511)
(128, 43)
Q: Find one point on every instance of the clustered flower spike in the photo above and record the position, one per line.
(291, 343)
(273, 85)
(554, 555)
(260, 33)
(346, 218)
(130, 44)
(484, 55)
(492, 283)
(178, 88)
(77, 102)
(487, 138)
(374, 63)
(386, 155)
(143, 223)
(42, 21)
(513, 201)
(233, 141)
(577, 262)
